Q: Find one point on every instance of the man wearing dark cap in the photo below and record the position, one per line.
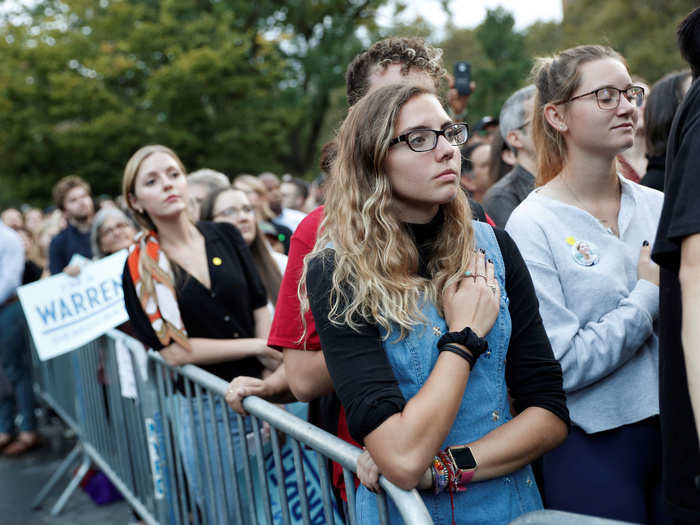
(485, 129)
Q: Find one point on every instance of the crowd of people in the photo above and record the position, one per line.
(504, 316)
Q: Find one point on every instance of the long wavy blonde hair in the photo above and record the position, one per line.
(376, 277)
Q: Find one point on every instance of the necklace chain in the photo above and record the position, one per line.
(612, 229)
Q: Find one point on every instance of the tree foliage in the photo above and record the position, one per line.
(246, 86)
(501, 56)
(235, 86)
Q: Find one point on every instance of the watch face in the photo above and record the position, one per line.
(463, 458)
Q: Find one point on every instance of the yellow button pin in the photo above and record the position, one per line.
(216, 261)
(570, 241)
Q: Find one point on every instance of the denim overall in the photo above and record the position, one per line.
(483, 408)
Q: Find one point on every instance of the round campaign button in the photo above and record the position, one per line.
(585, 253)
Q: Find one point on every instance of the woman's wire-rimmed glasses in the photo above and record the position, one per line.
(608, 97)
(420, 140)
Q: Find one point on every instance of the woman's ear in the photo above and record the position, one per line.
(555, 118)
(509, 157)
(133, 202)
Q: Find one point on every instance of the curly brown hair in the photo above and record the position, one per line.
(409, 52)
(63, 186)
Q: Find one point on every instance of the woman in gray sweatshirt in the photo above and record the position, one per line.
(584, 235)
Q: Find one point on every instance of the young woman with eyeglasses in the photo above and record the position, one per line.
(584, 234)
(234, 206)
(428, 320)
(193, 294)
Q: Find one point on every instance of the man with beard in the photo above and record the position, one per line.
(287, 217)
(72, 196)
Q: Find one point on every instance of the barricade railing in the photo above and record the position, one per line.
(555, 517)
(179, 455)
(84, 388)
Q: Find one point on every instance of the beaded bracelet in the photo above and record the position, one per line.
(441, 476)
(454, 485)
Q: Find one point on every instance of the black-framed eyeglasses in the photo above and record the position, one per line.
(608, 97)
(233, 211)
(420, 140)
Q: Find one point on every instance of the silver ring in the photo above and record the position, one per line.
(481, 275)
(492, 286)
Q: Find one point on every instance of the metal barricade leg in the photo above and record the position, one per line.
(235, 491)
(60, 471)
(262, 473)
(279, 469)
(325, 487)
(350, 515)
(77, 477)
(246, 469)
(301, 481)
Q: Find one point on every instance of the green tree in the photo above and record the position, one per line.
(644, 34)
(498, 57)
(235, 86)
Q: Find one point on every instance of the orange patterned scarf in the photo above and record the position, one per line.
(155, 288)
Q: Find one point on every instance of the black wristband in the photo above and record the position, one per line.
(477, 345)
(451, 347)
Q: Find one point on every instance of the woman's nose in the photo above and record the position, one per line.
(444, 150)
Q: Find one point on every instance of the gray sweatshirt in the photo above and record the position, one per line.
(598, 315)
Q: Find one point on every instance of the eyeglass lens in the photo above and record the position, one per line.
(426, 139)
(609, 97)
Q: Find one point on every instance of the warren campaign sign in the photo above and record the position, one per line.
(66, 312)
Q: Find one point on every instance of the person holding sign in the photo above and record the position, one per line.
(193, 294)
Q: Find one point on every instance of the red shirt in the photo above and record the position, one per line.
(287, 328)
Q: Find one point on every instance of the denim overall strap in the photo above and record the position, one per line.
(484, 407)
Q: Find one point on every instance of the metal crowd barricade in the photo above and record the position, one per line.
(151, 432)
(84, 389)
(556, 517)
(148, 427)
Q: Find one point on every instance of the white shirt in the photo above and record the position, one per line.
(11, 262)
(290, 218)
(599, 316)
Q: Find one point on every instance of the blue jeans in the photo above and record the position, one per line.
(211, 500)
(16, 363)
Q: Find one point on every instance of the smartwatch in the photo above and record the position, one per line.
(464, 462)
